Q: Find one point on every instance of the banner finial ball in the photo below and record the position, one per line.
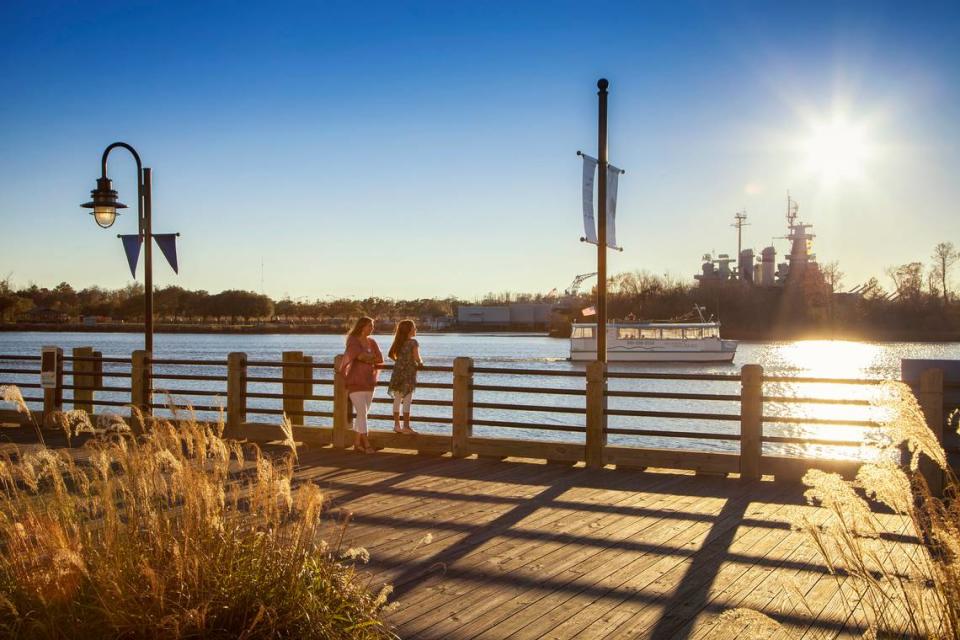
(602, 84)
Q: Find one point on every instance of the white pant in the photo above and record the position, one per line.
(407, 400)
(361, 400)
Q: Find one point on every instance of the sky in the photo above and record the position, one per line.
(404, 150)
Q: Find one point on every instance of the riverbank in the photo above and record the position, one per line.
(252, 329)
(730, 333)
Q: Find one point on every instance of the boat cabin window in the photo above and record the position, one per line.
(672, 334)
(650, 334)
(628, 333)
(710, 332)
(582, 332)
(693, 333)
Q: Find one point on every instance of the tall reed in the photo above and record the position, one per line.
(175, 534)
(895, 588)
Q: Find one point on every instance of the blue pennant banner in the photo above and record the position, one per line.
(131, 246)
(168, 245)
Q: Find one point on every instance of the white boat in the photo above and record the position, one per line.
(654, 342)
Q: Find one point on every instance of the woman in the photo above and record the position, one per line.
(360, 368)
(405, 352)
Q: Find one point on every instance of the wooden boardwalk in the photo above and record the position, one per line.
(530, 550)
(479, 548)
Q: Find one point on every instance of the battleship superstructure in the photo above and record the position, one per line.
(764, 270)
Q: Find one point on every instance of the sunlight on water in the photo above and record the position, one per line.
(830, 358)
(825, 359)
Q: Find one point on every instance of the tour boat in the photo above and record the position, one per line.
(654, 342)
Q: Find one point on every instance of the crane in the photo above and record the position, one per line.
(574, 287)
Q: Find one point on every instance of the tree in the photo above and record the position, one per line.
(832, 275)
(907, 280)
(944, 257)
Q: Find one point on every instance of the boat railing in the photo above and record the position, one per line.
(747, 423)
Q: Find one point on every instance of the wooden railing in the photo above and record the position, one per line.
(462, 412)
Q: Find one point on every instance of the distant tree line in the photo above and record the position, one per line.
(178, 304)
(920, 297)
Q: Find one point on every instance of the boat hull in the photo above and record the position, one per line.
(614, 355)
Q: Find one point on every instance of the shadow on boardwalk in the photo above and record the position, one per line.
(531, 550)
(534, 550)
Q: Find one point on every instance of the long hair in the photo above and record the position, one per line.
(404, 329)
(358, 326)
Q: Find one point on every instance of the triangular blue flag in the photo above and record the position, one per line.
(168, 245)
(131, 246)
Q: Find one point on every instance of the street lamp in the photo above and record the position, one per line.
(104, 205)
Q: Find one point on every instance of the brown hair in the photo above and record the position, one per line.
(404, 327)
(358, 326)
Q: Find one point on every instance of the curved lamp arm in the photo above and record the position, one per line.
(136, 157)
(124, 145)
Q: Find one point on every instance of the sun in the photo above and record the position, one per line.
(836, 149)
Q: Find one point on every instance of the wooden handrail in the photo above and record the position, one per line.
(540, 390)
(666, 433)
(705, 377)
(805, 380)
(186, 362)
(528, 407)
(674, 414)
(528, 372)
(588, 441)
(839, 422)
(674, 396)
(800, 400)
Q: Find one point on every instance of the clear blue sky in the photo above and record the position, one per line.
(421, 149)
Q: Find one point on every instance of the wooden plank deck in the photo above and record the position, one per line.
(523, 549)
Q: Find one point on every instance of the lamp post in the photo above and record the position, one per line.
(602, 85)
(104, 205)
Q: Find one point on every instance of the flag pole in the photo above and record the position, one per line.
(602, 85)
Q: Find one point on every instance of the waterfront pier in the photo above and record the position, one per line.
(490, 537)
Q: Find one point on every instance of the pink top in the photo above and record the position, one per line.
(360, 376)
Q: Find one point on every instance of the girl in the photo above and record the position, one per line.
(360, 368)
(405, 352)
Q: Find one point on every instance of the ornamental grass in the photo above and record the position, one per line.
(175, 533)
(898, 575)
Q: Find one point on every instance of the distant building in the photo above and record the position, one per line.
(519, 314)
(45, 314)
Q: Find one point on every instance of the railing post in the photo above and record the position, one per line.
(140, 383)
(83, 376)
(293, 407)
(931, 402)
(751, 421)
(236, 394)
(306, 388)
(462, 406)
(97, 372)
(596, 414)
(341, 407)
(53, 396)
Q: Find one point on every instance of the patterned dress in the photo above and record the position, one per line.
(404, 378)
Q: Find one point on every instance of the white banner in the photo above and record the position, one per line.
(613, 176)
(589, 224)
(589, 221)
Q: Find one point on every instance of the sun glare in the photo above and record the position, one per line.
(836, 150)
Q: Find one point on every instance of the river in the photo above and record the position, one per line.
(834, 359)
